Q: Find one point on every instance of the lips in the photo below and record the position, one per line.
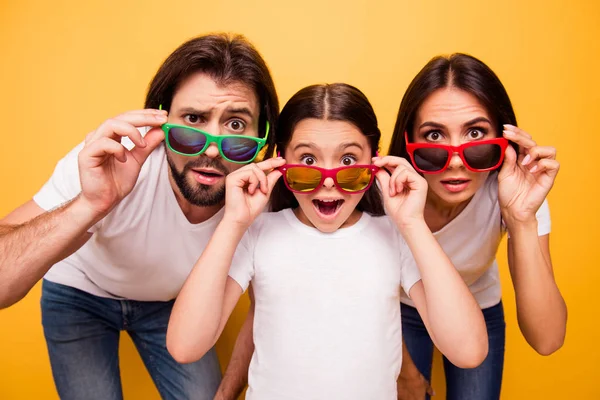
(207, 176)
(455, 185)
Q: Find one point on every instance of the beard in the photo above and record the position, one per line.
(197, 193)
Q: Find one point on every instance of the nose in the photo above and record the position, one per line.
(456, 161)
(328, 183)
(212, 151)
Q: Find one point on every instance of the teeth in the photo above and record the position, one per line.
(328, 201)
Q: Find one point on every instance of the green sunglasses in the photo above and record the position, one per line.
(191, 142)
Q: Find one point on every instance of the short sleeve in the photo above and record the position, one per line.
(242, 265)
(409, 273)
(543, 218)
(64, 183)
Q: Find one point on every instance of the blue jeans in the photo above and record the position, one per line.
(481, 383)
(82, 333)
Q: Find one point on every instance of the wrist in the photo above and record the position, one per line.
(408, 225)
(234, 225)
(519, 222)
(83, 211)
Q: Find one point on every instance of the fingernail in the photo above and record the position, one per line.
(509, 133)
(143, 142)
(509, 126)
(526, 160)
(535, 168)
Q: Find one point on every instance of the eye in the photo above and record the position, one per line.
(192, 119)
(236, 125)
(307, 159)
(475, 133)
(433, 136)
(348, 160)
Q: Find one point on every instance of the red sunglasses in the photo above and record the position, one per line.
(477, 156)
(302, 178)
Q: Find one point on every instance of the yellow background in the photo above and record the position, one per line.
(68, 65)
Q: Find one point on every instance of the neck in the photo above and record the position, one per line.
(438, 213)
(194, 214)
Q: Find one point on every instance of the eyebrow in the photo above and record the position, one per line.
(310, 145)
(468, 123)
(344, 146)
(242, 110)
(476, 121)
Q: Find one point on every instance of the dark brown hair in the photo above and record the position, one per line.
(225, 58)
(458, 70)
(334, 102)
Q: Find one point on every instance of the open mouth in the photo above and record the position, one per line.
(328, 208)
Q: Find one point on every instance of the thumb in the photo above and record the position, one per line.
(272, 179)
(153, 138)
(510, 162)
(384, 180)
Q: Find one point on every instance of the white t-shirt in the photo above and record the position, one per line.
(471, 241)
(327, 321)
(143, 250)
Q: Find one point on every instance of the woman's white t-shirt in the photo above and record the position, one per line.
(327, 322)
(471, 241)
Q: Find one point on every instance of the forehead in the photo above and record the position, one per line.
(327, 133)
(450, 105)
(202, 91)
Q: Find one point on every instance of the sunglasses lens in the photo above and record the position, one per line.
(354, 179)
(186, 141)
(239, 149)
(302, 179)
(430, 159)
(483, 156)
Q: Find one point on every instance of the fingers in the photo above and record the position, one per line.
(100, 148)
(539, 152)
(403, 179)
(520, 137)
(126, 124)
(546, 165)
(383, 177)
(153, 139)
(272, 179)
(391, 162)
(270, 163)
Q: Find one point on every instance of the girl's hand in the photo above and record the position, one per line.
(248, 189)
(525, 179)
(404, 191)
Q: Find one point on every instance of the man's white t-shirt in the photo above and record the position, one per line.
(471, 241)
(327, 322)
(143, 250)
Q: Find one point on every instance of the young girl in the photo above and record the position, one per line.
(327, 266)
(450, 126)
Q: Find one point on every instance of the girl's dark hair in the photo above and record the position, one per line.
(226, 59)
(333, 102)
(461, 71)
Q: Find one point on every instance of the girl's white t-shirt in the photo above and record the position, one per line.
(327, 322)
(471, 241)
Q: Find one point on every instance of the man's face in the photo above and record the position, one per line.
(201, 103)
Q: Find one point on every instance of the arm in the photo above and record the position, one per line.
(523, 183)
(32, 240)
(412, 385)
(450, 313)
(209, 295)
(236, 374)
(24, 259)
(207, 298)
(541, 310)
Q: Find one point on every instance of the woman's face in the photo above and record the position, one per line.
(327, 144)
(452, 116)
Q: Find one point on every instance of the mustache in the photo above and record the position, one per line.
(206, 162)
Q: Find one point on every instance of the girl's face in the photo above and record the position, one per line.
(327, 144)
(452, 116)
